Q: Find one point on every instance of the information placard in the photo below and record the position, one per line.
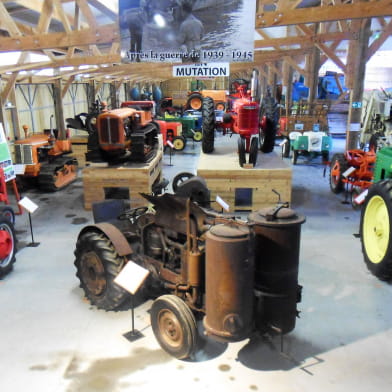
(131, 277)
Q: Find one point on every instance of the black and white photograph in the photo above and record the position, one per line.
(186, 31)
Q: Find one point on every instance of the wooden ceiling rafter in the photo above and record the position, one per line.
(84, 41)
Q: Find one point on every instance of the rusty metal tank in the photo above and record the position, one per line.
(277, 246)
(229, 282)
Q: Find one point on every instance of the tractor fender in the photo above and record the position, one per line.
(117, 238)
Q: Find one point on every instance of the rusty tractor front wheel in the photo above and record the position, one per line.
(97, 264)
(174, 326)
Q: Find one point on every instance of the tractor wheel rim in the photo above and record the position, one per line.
(170, 328)
(197, 136)
(178, 144)
(6, 246)
(376, 230)
(335, 173)
(195, 103)
(93, 273)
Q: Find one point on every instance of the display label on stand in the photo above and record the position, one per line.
(131, 277)
(175, 32)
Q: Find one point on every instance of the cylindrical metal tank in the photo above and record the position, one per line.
(229, 282)
(277, 246)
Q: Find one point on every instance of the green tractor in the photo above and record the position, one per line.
(310, 144)
(376, 219)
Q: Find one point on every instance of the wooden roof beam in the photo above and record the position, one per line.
(356, 10)
(100, 35)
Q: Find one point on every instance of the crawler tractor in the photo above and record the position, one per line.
(46, 160)
(125, 134)
(239, 277)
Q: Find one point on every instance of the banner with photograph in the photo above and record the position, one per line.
(187, 31)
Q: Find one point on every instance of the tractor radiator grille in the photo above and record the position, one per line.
(109, 130)
(248, 118)
(24, 154)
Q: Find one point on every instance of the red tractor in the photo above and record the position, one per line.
(242, 116)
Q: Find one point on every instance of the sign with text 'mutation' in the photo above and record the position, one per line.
(204, 70)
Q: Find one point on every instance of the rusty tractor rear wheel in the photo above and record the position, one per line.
(7, 246)
(174, 326)
(337, 167)
(97, 264)
(208, 125)
(195, 101)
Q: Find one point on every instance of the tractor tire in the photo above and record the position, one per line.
(375, 230)
(286, 148)
(325, 157)
(208, 125)
(241, 151)
(174, 326)
(253, 151)
(294, 158)
(356, 191)
(97, 264)
(269, 137)
(373, 143)
(8, 213)
(195, 101)
(197, 136)
(180, 178)
(220, 106)
(7, 246)
(178, 143)
(336, 169)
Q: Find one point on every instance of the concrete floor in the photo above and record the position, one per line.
(52, 340)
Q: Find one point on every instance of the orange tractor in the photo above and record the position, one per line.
(45, 159)
(354, 168)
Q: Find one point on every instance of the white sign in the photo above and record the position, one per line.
(350, 170)
(170, 144)
(222, 203)
(361, 197)
(131, 277)
(28, 204)
(204, 70)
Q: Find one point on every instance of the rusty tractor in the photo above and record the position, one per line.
(240, 277)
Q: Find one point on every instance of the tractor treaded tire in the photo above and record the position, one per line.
(253, 150)
(6, 264)
(336, 184)
(241, 151)
(208, 125)
(100, 247)
(376, 231)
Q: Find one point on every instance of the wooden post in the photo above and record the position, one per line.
(357, 55)
(287, 84)
(58, 108)
(314, 66)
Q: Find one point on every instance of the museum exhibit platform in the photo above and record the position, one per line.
(244, 189)
(102, 183)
